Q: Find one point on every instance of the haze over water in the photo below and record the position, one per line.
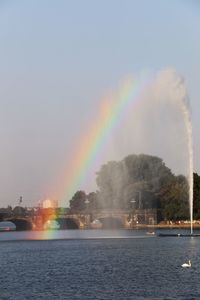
(60, 62)
(54, 75)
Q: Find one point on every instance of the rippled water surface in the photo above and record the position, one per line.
(133, 266)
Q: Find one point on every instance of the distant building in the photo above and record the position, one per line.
(49, 203)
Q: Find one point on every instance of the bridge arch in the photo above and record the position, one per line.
(111, 222)
(21, 224)
(68, 223)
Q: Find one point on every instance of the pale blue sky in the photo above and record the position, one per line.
(58, 58)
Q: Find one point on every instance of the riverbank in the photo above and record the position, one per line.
(168, 226)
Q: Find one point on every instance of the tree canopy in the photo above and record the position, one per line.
(196, 196)
(141, 181)
(136, 176)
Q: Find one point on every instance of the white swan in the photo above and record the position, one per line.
(185, 265)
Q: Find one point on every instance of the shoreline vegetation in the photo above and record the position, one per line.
(168, 226)
(151, 228)
(139, 191)
(141, 182)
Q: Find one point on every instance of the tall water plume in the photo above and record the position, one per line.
(188, 122)
(152, 118)
(159, 123)
(178, 93)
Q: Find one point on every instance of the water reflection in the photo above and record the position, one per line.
(73, 234)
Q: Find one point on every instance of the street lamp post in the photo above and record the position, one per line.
(133, 203)
(87, 203)
(87, 212)
(132, 210)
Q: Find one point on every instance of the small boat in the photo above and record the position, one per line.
(7, 226)
(187, 265)
(96, 224)
(150, 232)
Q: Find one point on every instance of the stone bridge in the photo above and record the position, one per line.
(110, 218)
(22, 223)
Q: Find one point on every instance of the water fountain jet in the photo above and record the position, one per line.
(168, 79)
(185, 107)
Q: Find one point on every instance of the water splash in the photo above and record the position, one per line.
(188, 122)
(178, 93)
(138, 111)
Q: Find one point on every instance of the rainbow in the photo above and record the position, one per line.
(111, 113)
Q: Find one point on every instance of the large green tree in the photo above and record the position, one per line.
(140, 181)
(134, 177)
(196, 196)
(78, 201)
(173, 199)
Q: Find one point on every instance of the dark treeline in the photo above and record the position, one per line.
(140, 181)
(136, 182)
(16, 211)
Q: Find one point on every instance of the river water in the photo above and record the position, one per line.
(96, 264)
